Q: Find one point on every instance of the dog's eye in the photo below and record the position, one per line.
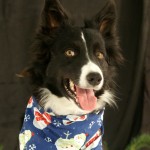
(70, 53)
(99, 55)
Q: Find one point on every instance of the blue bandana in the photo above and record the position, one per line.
(43, 130)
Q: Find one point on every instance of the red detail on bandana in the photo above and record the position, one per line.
(43, 117)
(94, 138)
(32, 133)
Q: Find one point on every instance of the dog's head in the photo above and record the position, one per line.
(73, 66)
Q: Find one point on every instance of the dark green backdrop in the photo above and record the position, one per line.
(18, 22)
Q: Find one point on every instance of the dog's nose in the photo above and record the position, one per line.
(94, 78)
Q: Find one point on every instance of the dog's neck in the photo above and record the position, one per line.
(45, 129)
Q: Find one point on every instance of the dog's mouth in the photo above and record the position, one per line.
(85, 98)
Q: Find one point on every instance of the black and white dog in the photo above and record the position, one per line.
(72, 71)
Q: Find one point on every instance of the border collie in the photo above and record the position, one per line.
(72, 72)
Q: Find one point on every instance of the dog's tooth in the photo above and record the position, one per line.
(71, 85)
(72, 88)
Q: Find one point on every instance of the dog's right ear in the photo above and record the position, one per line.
(53, 14)
(106, 19)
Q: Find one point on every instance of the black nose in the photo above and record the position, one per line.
(94, 78)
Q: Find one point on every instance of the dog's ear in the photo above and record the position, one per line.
(105, 20)
(53, 14)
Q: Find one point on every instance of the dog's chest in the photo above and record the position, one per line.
(43, 130)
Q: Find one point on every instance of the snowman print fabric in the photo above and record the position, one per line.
(43, 130)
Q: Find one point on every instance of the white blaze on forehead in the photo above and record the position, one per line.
(85, 44)
(83, 38)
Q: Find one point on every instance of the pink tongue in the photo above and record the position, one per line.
(86, 98)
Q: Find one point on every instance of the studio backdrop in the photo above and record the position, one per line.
(18, 23)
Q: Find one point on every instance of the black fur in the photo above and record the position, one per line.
(49, 67)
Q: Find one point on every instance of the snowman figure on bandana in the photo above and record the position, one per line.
(71, 144)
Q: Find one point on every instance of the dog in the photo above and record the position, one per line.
(72, 74)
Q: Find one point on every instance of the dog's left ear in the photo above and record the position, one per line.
(53, 14)
(105, 20)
